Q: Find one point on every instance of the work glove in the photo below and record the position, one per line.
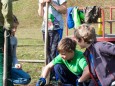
(79, 83)
(41, 82)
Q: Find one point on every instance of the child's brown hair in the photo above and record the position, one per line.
(67, 44)
(15, 20)
(86, 32)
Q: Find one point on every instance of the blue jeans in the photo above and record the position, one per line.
(60, 32)
(20, 77)
(65, 75)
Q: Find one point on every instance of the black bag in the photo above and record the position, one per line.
(92, 13)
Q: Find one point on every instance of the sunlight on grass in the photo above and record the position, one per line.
(30, 52)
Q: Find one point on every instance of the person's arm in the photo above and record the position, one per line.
(7, 14)
(85, 75)
(13, 50)
(47, 70)
(40, 8)
(84, 67)
(60, 8)
(15, 62)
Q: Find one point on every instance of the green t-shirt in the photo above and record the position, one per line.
(76, 65)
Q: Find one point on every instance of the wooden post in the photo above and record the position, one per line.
(5, 59)
(46, 34)
(46, 40)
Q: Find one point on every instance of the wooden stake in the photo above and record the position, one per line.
(5, 59)
(46, 41)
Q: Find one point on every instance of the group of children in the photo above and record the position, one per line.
(94, 67)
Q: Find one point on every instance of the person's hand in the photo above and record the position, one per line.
(41, 1)
(47, 1)
(44, 1)
(79, 83)
(41, 82)
(19, 66)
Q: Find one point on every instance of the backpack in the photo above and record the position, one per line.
(70, 22)
(92, 13)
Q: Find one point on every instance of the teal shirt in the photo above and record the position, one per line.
(76, 65)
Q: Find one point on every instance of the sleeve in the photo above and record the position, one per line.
(82, 63)
(7, 13)
(62, 1)
(107, 48)
(57, 60)
(15, 60)
(14, 56)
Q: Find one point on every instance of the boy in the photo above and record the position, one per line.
(68, 65)
(17, 74)
(100, 55)
(55, 23)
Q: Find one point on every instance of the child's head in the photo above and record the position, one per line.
(86, 33)
(66, 48)
(67, 44)
(15, 24)
(15, 21)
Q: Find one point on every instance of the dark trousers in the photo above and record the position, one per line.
(65, 75)
(20, 77)
(53, 39)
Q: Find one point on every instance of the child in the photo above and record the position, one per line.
(55, 23)
(100, 55)
(68, 65)
(18, 75)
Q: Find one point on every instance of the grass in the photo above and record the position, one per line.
(30, 44)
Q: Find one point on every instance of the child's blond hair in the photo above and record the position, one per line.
(86, 32)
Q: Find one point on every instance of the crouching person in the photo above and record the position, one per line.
(70, 65)
(100, 56)
(18, 76)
